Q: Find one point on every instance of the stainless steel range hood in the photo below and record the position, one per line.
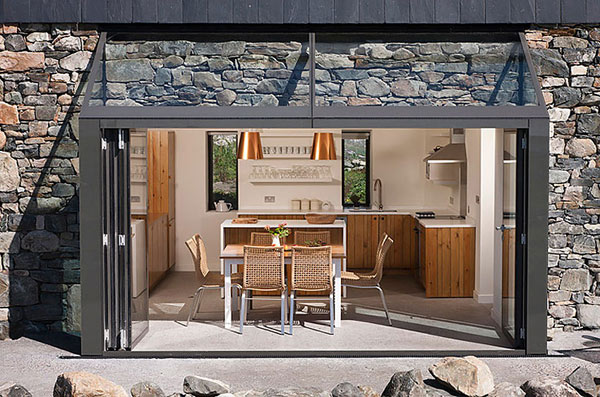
(454, 152)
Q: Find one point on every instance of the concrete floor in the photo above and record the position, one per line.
(36, 365)
(418, 323)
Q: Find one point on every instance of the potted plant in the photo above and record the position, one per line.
(278, 233)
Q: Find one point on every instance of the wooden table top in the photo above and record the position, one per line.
(237, 251)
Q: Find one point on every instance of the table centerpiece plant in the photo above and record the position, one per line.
(278, 233)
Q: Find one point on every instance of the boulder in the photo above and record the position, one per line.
(40, 241)
(467, 375)
(146, 389)
(226, 97)
(9, 173)
(346, 389)
(8, 114)
(576, 280)
(548, 387)
(13, 390)
(582, 380)
(204, 387)
(580, 147)
(505, 389)
(405, 384)
(374, 87)
(21, 61)
(368, 391)
(85, 384)
(77, 61)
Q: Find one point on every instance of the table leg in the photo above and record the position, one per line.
(338, 292)
(227, 291)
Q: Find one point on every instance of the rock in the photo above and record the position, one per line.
(333, 61)
(505, 389)
(559, 176)
(21, 61)
(566, 96)
(380, 52)
(73, 309)
(373, 87)
(146, 389)
(77, 61)
(582, 380)
(219, 64)
(199, 387)
(69, 43)
(271, 86)
(569, 42)
(405, 384)
(40, 241)
(226, 97)
(402, 54)
(467, 375)
(207, 80)
(561, 311)
(576, 280)
(85, 384)
(163, 76)
(9, 242)
(13, 390)
(351, 74)
(346, 389)
(9, 173)
(8, 114)
(431, 77)
(549, 63)
(549, 387)
(589, 316)
(409, 88)
(589, 124)
(172, 61)
(23, 291)
(368, 391)
(129, 70)
(580, 147)
(2, 140)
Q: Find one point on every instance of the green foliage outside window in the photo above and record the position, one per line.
(224, 168)
(355, 172)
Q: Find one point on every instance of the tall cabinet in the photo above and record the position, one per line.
(161, 204)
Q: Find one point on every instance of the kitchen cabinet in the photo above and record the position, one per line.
(161, 203)
(447, 261)
(365, 232)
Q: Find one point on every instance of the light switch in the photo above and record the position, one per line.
(477, 199)
(269, 199)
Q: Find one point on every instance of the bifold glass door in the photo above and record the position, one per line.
(123, 323)
(512, 230)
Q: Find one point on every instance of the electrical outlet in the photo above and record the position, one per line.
(477, 199)
(269, 199)
(451, 200)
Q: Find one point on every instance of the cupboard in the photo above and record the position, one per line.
(447, 261)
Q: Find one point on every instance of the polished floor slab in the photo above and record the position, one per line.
(419, 324)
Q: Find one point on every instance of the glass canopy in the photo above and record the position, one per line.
(284, 71)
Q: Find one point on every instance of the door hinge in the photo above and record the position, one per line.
(523, 239)
(121, 139)
(522, 333)
(104, 144)
(121, 240)
(105, 240)
(524, 143)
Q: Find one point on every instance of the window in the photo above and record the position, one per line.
(356, 174)
(222, 168)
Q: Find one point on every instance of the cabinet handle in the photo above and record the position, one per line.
(382, 218)
(374, 218)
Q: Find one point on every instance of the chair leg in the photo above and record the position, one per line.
(250, 301)
(195, 304)
(243, 312)
(283, 305)
(331, 310)
(292, 310)
(387, 313)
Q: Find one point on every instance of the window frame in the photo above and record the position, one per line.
(345, 135)
(210, 175)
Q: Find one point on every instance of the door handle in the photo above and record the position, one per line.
(501, 228)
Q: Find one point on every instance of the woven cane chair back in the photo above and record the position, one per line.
(258, 238)
(198, 250)
(312, 268)
(264, 268)
(301, 238)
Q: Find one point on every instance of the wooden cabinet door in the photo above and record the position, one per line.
(422, 249)
(361, 242)
(402, 256)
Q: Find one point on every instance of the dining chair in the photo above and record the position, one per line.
(259, 238)
(312, 271)
(371, 279)
(208, 279)
(302, 237)
(264, 271)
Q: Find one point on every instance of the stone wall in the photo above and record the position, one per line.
(41, 68)
(568, 65)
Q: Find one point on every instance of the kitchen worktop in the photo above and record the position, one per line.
(274, 222)
(430, 223)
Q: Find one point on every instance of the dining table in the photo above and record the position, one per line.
(232, 255)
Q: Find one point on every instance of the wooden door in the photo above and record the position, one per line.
(361, 243)
(402, 256)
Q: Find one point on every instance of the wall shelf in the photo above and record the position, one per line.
(295, 174)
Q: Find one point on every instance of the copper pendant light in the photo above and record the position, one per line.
(323, 146)
(250, 147)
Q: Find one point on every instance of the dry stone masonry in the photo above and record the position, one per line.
(568, 65)
(41, 69)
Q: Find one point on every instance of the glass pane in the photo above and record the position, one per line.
(224, 169)
(509, 233)
(228, 71)
(355, 172)
(395, 72)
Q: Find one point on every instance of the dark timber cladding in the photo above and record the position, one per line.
(302, 11)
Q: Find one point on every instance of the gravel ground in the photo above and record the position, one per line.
(36, 365)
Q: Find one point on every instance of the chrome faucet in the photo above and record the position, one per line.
(379, 190)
